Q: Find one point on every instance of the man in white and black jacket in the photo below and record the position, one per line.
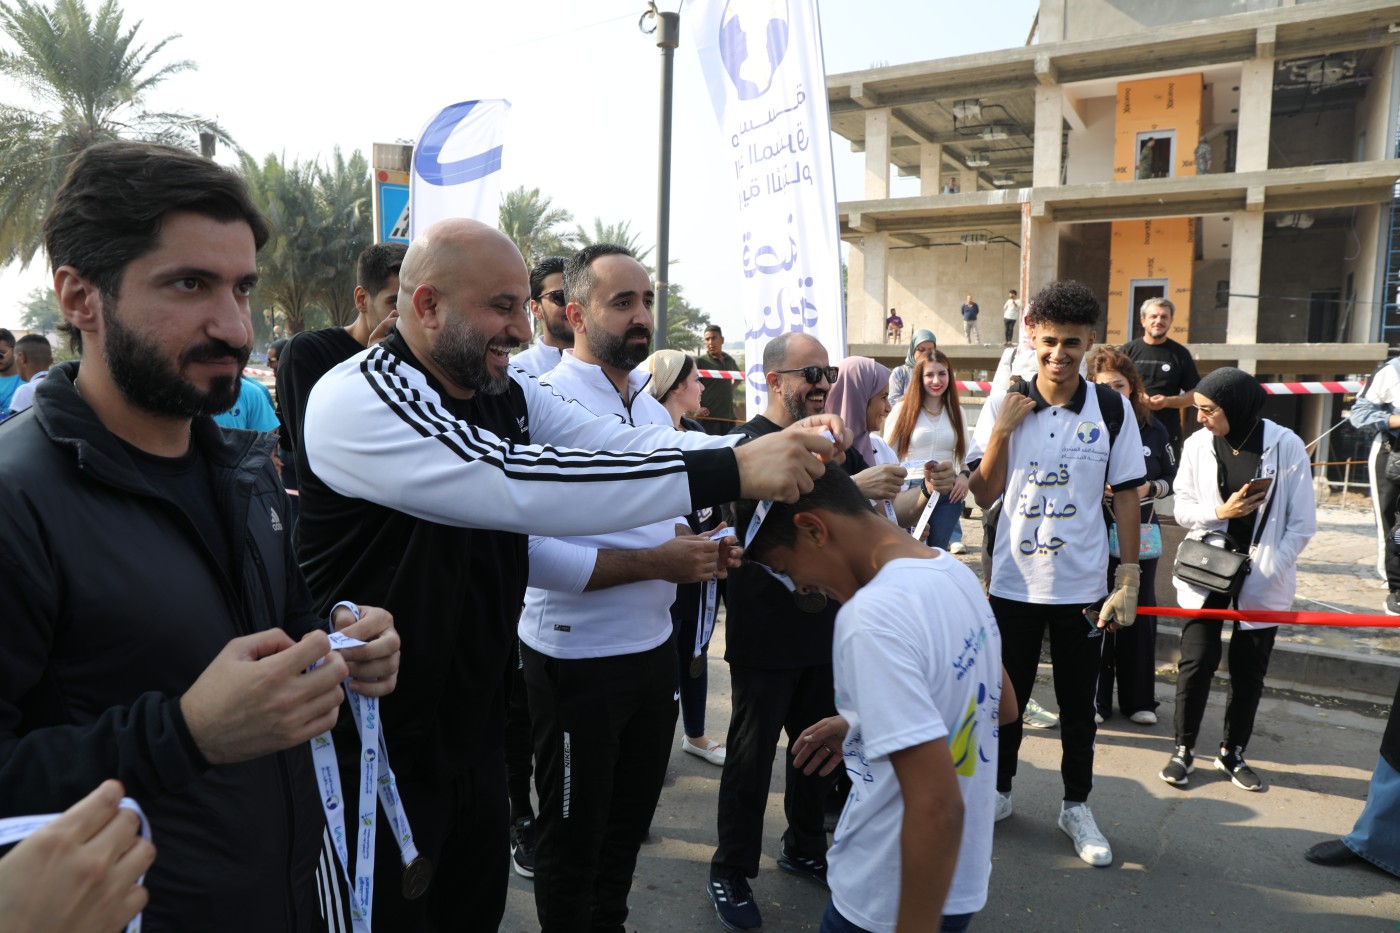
(600, 660)
(157, 629)
(426, 476)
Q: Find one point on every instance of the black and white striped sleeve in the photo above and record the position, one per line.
(375, 430)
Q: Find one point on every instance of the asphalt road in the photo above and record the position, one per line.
(1209, 857)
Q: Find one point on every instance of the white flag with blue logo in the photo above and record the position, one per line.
(762, 61)
(457, 165)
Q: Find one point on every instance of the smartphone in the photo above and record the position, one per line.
(1258, 485)
(1091, 615)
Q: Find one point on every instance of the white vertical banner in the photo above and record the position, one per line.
(762, 61)
(457, 165)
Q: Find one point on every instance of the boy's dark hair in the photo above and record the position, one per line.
(1066, 302)
(546, 267)
(714, 329)
(834, 491)
(109, 210)
(376, 264)
(7, 336)
(578, 270)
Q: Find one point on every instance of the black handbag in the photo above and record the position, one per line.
(1219, 568)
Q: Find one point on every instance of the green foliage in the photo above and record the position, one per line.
(87, 77)
(685, 323)
(618, 234)
(41, 314)
(531, 221)
(321, 221)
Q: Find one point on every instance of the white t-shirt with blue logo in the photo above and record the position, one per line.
(916, 658)
(1051, 543)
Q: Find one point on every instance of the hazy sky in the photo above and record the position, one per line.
(299, 77)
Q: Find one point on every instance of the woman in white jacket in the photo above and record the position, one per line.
(1217, 465)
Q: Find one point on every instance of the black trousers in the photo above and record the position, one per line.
(520, 744)
(1130, 654)
(1010, 328)
(766, 703)
(1074, 658)
(460, 824)
(603, 730)
(1200, 656)
(1385, 503)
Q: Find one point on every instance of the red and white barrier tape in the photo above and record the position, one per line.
(254, 371)
(1312, 388)
(719, 374)
(1347, 619)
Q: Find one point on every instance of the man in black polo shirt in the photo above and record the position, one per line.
(1167, 369)
(717, 395)
(778, 646)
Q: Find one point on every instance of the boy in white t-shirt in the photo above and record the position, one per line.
(1050, 450)
(919, 692)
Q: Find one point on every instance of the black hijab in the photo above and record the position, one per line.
(1240, 397)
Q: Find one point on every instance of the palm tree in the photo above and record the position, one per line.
(617, 234)
(292, 264)
(87, 78)
(529, 219)
(344, 190)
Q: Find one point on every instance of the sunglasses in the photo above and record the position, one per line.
(556, 296)
(815, 374)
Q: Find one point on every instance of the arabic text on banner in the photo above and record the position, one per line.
(762, 62)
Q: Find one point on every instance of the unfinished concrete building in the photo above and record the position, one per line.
(1237, 156)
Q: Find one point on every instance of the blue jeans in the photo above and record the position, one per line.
(1376, 837)
(945, 518)
(833, 922)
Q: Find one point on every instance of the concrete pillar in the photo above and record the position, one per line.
(877, 154)
(930, 169)
(967, 181)
(1044, 254)
(1256, 106)
(1246, 259)
(874, 282)
(855, 295)
(1049, 133)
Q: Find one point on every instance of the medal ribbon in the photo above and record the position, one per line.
(376, 780)
(18, 828)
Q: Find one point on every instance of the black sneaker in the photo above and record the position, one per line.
(1241, 774)
(522, 847)
(814, 868)
(1392, 604)
(1182, 764)
(733, 900)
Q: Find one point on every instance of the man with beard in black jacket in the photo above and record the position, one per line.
(162, 633)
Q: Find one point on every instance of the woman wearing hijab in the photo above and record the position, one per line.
(675, 383)
(921, 347)
(1213, 495)
(861, 396)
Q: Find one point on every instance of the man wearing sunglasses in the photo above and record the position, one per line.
(547, 308)
(779, 667)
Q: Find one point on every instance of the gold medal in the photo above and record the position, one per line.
(417, 875)
(810, 602)
(697, 666)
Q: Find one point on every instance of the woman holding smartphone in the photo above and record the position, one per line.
(1250, 478)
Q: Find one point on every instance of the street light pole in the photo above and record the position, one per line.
(668, 37)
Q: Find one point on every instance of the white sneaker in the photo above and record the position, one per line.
(1003, 807)
(1098, 719)
(957, 547)
(1078, 824)
(1144, 717)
